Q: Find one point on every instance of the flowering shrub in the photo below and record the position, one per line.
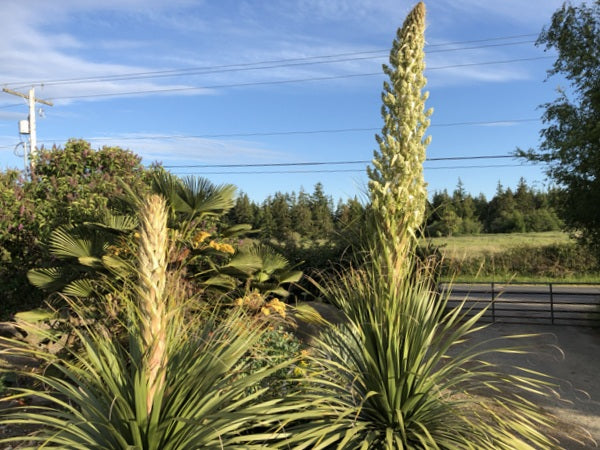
(255, 303)
(70, 184)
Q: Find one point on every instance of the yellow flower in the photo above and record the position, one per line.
(201, 236)
(254, 300)
(213, 244)
(298, 372)
(226, 248)
(239, 301)
(277, 306)
(266, 311)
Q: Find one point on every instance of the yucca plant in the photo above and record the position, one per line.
(397, 374)
(174, 382)
(394, 374)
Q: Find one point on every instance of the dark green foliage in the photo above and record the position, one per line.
(244, 211)
(280, 210)
(286, 216)
(301, 212)
(524, 210)
(275, 347)
(571, 141)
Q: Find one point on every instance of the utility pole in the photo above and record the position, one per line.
(32, 129)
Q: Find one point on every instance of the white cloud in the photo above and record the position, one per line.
(37, 42)
(30, 52)
(190, 150)
(532, 13)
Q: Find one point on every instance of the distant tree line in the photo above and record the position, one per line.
(286, 216)
(523, 210)
(315, 216)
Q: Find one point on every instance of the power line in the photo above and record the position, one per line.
(11, 106)
(281, 133)
(288, 132)
(267, 172)
(207, 71)
(279, 63)
(275, 82)
(330, 163)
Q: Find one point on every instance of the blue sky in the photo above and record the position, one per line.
(276, 82)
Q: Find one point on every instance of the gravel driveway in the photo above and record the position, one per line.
(571, 355)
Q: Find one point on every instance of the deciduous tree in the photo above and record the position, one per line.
(571, 140)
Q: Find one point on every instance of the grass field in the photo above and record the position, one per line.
(459, 247)
(479, 248)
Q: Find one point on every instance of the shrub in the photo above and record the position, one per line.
(71, 184)
(553, 261)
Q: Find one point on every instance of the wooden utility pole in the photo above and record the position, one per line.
(32, 129)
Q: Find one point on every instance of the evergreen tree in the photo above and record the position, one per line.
(243, 211)
(348, 213)
(480, 204)
(302, 215)
(524, 197)
(265, 221)
(322, 213)
(282, 220)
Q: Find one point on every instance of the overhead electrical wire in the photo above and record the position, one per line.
(274, 133)
(330, 163)
(188, 72)
(13, 105)
(271, 172)
(276, 82)
(289, 62)
(285, 132)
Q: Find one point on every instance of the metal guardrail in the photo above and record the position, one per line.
(530, 303)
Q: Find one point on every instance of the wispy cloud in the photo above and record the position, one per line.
(530, 13)
(190, 150)
(32, 51)
(37, 42)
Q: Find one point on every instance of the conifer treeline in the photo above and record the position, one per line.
(315, 216)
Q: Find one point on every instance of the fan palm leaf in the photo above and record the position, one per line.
(193, 197)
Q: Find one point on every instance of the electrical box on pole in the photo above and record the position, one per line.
(28, 126)
(23, 126)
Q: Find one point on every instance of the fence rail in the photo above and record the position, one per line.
(532, 303)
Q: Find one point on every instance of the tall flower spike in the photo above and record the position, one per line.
(152, 259)
(397, 188)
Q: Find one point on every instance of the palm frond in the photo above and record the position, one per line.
(115, 223)
(205, 198)
(65, 242)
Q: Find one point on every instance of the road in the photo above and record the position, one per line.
(532, 303)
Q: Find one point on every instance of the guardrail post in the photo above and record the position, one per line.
(551, 303)
(493, 304)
